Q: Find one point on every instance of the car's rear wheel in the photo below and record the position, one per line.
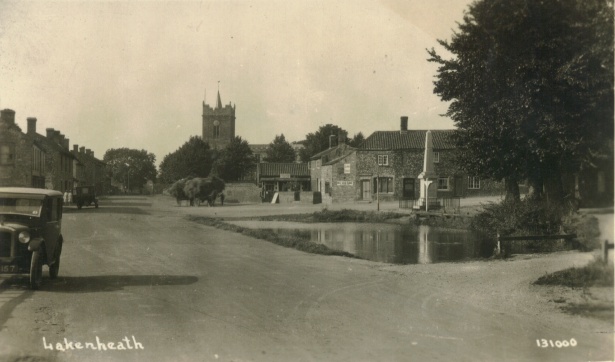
(55, 268)
(36, 270)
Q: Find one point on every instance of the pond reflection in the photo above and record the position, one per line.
(388, 243)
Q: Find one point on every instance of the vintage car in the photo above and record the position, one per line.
(85, 196)
(30, 232)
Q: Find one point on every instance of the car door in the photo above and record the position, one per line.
(53, 225)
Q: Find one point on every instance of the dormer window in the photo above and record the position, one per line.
(436, 157)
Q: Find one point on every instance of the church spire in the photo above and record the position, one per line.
(219, 104)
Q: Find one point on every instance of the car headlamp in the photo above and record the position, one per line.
(24, 237)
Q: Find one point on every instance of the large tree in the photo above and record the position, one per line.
(531, 88)
(192, 159)
(319, 141)
(234, 161)
(130, 167)
(280, 151)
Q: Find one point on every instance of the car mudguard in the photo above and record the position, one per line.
(35, 244)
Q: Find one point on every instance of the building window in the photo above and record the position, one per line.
(383, 160)
(436, 157)
(383, 185)
(443, 183)
(7, 154)
(473, 182)
(216, 131)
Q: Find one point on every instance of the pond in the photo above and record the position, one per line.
(388, 243)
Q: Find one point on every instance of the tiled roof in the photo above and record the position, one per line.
(411, 139)
(276, 169)
(344, 149)
(46, 141)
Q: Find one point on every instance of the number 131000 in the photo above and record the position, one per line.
(546, 343)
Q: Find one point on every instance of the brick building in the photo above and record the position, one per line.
(90, 170)
(389, 163)
(22, 162)
(282, 177)
(333, 172)
(43, 161)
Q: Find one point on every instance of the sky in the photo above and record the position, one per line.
(115, 74)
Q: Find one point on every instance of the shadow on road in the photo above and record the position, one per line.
(106, 210)
(108, 283)
(10, 302)
(114, 204)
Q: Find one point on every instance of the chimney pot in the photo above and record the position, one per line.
(31, 125)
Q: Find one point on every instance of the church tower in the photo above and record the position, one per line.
(218, 124)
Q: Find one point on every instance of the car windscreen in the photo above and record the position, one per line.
(22, 206)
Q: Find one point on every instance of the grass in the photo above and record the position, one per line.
(595, 274)
(296, 240)
(344, 215)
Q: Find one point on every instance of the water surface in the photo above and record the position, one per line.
(388, 243)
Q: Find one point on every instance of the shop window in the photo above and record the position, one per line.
(383, 185)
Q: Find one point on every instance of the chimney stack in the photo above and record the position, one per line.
(65, 143)
(75, 148)
(341, 138)
(50, 133)
(331, 138)
(8, 117)
(404, 124)
(82, 150)
(31, 125)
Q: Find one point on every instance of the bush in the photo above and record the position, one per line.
(536, 218)
(595, 274)
(518, 218)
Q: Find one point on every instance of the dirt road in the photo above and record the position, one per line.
(136, 274)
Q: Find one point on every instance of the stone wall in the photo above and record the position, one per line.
(408, 164)
(287, 197)
(343, 186)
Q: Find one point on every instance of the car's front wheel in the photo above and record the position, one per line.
(36, 270)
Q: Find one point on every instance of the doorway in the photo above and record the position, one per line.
(365, 190)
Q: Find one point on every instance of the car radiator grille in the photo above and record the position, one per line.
(5, 244)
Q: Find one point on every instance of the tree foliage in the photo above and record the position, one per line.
(234, 161)
(357, 140)
(531, 88)
(132, 166)
(193, 159)
(280, 150)
(319, 141)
